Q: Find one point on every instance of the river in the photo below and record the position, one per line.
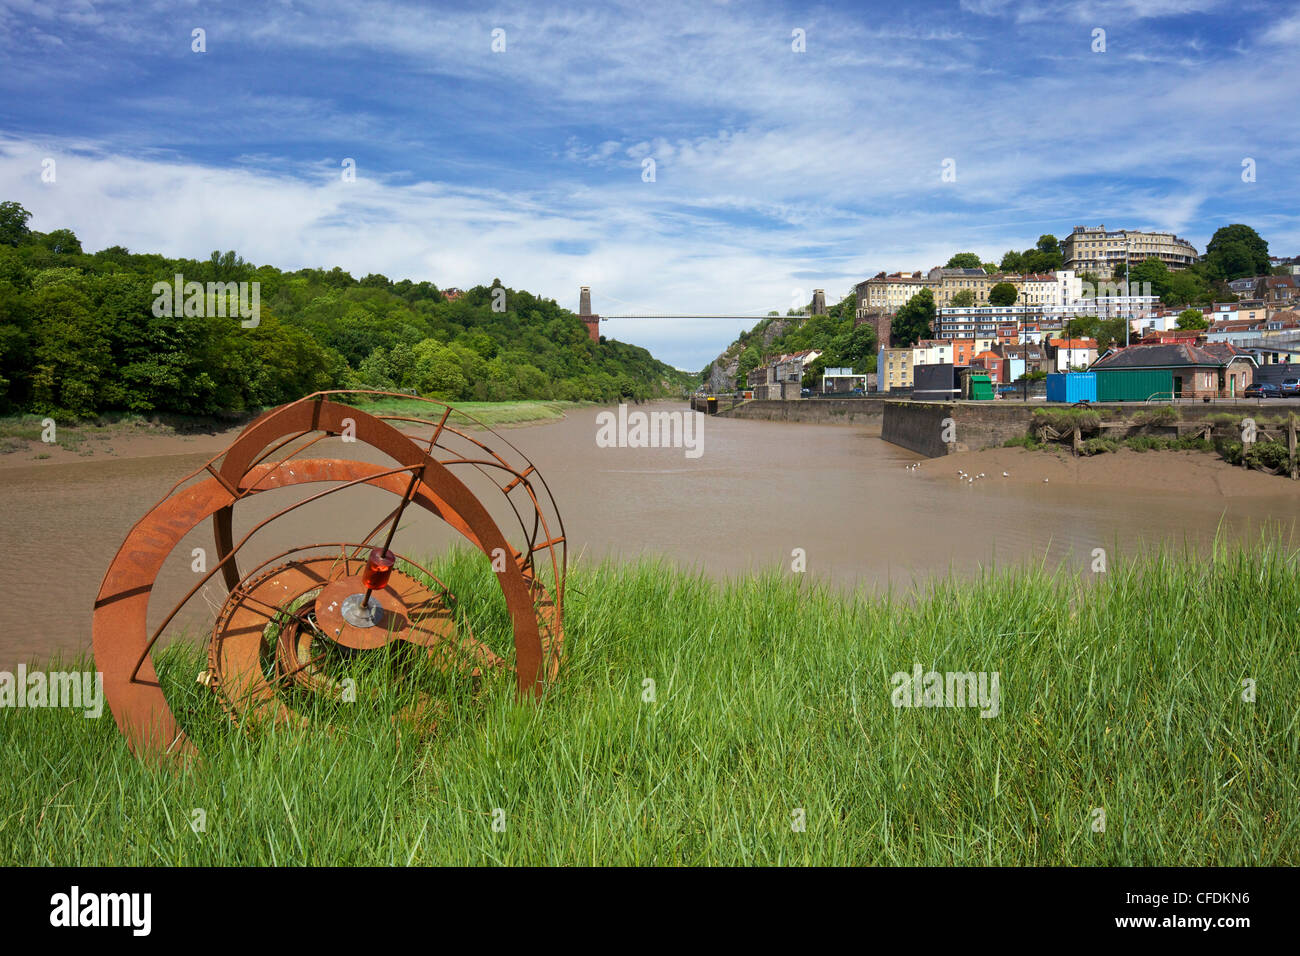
(758, 491)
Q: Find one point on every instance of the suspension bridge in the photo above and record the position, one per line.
(592, 320)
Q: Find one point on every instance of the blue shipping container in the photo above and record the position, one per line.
(1072, 387)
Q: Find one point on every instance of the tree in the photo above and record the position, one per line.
(1012, 261)
(963, 298)
(62, 241)
(964, 260)
(913, 321)
(990, 267)
(749, 360)
(13, 223)
(1192, 320)
(1050, 257)
(1003, 293)
(1153, 271)
(1237, 251)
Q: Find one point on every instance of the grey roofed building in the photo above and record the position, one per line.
(1172, 355)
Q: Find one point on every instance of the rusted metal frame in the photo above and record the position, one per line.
(243, 541)
(538, 512)
(530, 469)
(343, 546)
(501, 463)
(142, 719)
(296, 452)
(479, 465)
(272, 450)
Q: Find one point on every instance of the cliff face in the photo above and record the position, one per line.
(722, 372)
(722, 378)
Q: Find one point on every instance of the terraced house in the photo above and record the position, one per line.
(1103, 251)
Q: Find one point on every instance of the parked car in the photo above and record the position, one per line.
(805, 393)
(1263, 390)
(1290, 387)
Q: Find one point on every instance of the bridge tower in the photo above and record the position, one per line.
(584, 312)
(818, 302)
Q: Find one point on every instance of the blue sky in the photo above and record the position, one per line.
(776, 171)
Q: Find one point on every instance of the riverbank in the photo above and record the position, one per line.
(748, 722)
(129, 436)
(1199, 473)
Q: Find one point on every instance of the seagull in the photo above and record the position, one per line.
(1044, 481)
(1005, 475)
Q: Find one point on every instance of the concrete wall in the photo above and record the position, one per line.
(823, 411)
(920, 426)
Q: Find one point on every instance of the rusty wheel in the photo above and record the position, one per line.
(269, 632)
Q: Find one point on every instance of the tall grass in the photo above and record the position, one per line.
(1120, 691)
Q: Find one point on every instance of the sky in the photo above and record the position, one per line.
(794, 145)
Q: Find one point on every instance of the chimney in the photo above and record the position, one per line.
(819, 302)
(584, 300)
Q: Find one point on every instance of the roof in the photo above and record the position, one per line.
(1172, 355)
(1072, 343)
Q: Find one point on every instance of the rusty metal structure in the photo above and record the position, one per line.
(279, 616)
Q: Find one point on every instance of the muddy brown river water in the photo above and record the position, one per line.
(758, 491)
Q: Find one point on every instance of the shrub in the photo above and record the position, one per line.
(1097, 446)
(1025, 441)
(1270, 454)
(1164, 415)
(1064, 419)
(1230, 451)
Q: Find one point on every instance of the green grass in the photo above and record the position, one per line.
(488, 413)
(1064, 419)
(1120, 691)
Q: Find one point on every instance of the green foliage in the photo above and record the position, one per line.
(1160, 415)
(1235, 252)
(963, 298)
(1064, 419)
(964, 260)
(1024, 441)
(13, 223)
(1002, 293)
(1192, 319)
(1045, 256)
(78, 335)
(1267, 454)
(1097, 446)
(913, 321)
(1106, 332)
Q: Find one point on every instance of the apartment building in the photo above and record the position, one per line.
(893, 369)
(948, 282)
(889, 293)
(989, 322)
(1101, 250)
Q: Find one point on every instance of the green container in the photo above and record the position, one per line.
(1133, 384)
